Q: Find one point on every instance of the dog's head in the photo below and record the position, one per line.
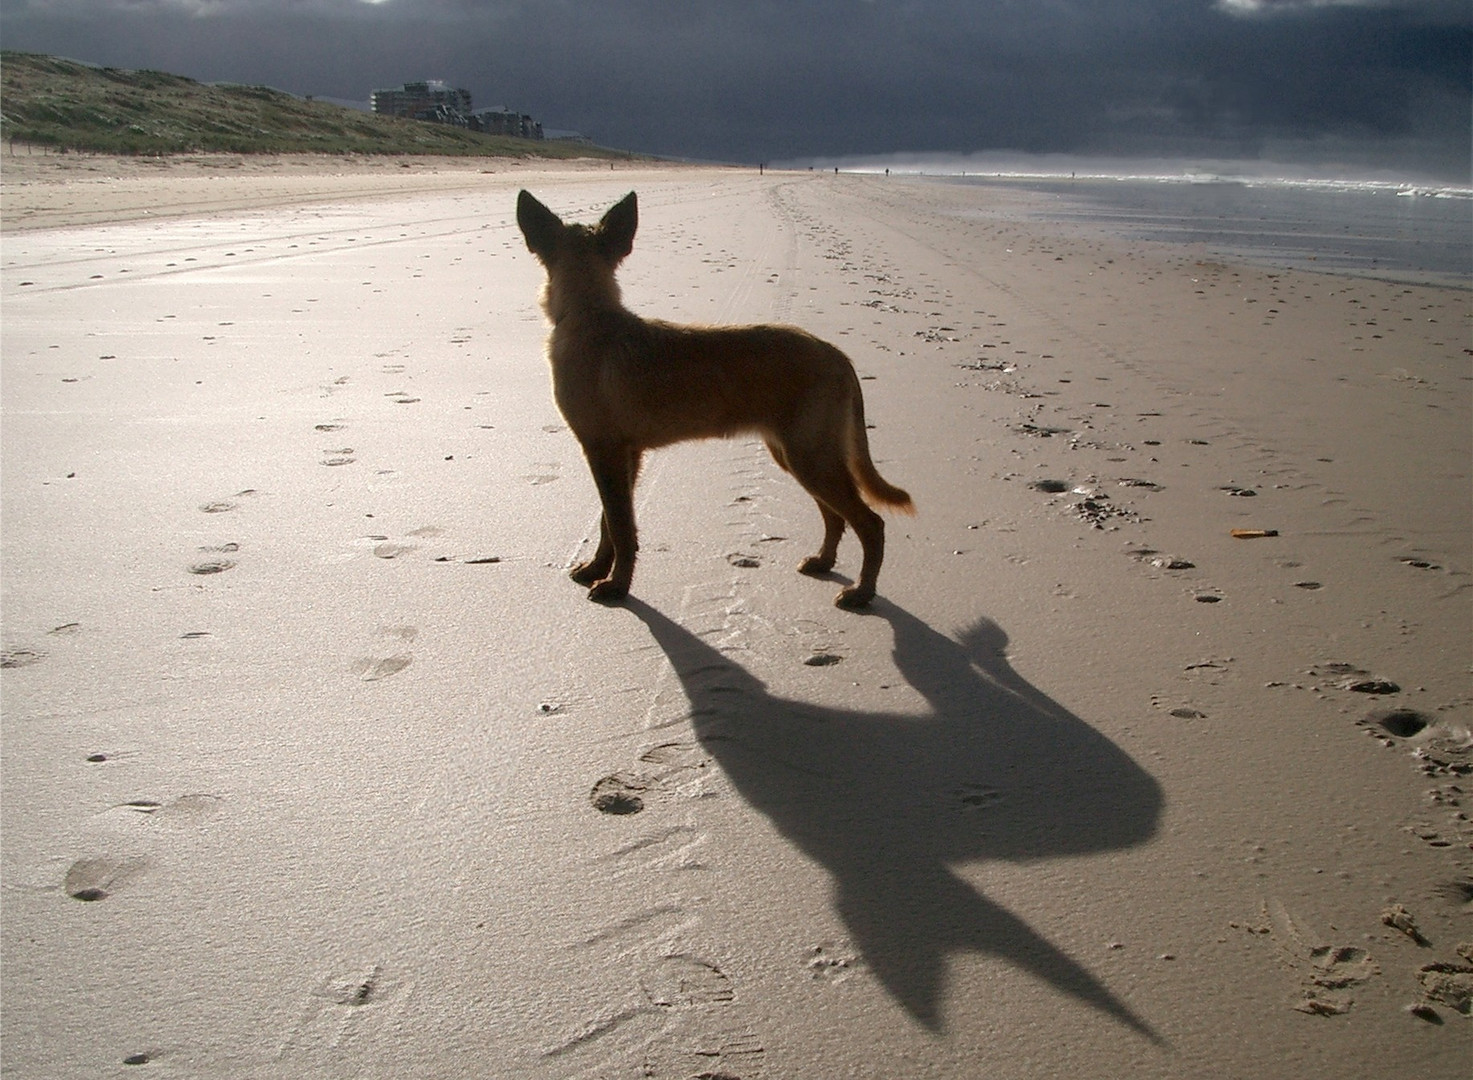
(555, 243)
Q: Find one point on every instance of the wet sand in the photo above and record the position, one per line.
(315, 763)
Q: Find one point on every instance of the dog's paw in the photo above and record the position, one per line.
(588, 572)
(815, 566)
(853, 597)
(608, 592)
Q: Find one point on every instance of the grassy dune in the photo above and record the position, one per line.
(47, 101)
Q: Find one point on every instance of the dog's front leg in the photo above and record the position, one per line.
(615, 469)
(596, 568)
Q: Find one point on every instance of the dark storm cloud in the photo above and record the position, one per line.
(1374, 82)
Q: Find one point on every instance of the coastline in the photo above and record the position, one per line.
(304, 724)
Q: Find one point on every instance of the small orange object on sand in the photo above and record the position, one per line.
(1254, 534)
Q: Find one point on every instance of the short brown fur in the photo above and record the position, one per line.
(626, 385)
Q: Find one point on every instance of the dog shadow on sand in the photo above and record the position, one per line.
(887, 802)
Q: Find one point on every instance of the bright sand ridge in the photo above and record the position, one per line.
(297, 783)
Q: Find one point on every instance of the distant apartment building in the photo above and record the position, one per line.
(436, 101)
(502, 122)
(421, 100)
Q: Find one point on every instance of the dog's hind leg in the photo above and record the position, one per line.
(828, 480)
(870, 528)
(833, 523)
(615, 469)
(828, 554)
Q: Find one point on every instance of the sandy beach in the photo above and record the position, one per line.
(314, 763)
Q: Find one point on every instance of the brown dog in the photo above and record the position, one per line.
(626, 385)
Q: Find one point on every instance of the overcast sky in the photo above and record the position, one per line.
(1378, 84)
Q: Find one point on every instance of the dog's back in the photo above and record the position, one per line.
(662, 382)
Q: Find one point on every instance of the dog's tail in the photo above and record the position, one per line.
(862, 466)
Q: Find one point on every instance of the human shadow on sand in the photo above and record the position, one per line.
(888, 801)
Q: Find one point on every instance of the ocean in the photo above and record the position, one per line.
(1393, 232)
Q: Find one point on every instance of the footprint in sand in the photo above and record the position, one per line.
(977, 796)
(707, 1045)
(224, 506)
(354, 1007)
(360, 988)
(97, 757)
(675, 757)
(679, 767)
(372, 670)
(211, 566)
(683, 981)
(391, 550)
(1439, 746)
(831, 963)
(1403, 723)
(91, 880)
(1352, 678)
(1328, 975)
(1447, 984)
(215, 566)
(375, 668)
(20, 656)
(1160, 560)
(183, 809)
(548, 473)
(1039, 431)
(619, 794)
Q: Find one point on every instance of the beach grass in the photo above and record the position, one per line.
(66, 105)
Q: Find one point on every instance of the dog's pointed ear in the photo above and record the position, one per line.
(616, 228)
(539, 225)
